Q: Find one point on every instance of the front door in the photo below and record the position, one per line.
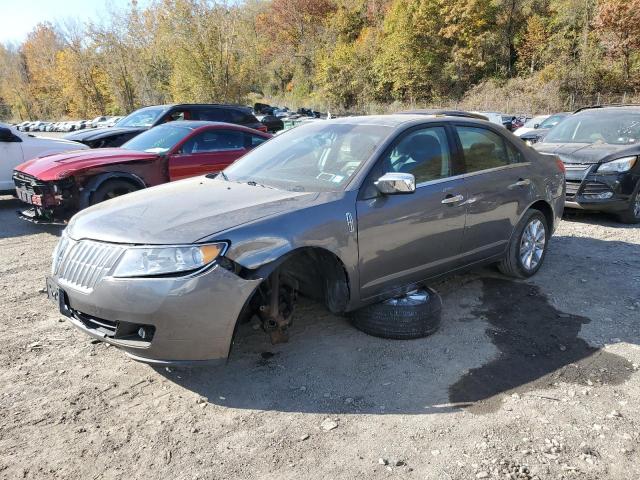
(406, 238)
(10, 157)
(207, 152)
(497, 180)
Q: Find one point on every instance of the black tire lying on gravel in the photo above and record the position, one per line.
(400, 321)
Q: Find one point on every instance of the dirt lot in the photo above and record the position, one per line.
(535, 379)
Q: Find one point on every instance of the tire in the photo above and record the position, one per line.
(112, 189)
(400, 322)
(632, 213)
(513, 264)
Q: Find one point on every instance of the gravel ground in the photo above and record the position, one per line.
(535, 379)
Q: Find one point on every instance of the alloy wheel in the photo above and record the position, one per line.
(636, 206)
(532, 244)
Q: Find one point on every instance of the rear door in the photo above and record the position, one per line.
(498, 184)
(406, 238)
(208, 152)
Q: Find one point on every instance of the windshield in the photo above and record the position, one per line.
(532, 122)
(617, 127)
(159, 139)
(315, 157)
(145, 117)
(552, 121)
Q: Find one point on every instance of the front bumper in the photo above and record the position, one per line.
(588, 190)
(188, 320)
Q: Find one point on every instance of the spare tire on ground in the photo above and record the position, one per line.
(413, 315)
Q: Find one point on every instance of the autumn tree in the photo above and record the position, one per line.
(618, 24)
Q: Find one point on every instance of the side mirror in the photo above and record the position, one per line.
(536, 125)
(6, 135)
(396, 183)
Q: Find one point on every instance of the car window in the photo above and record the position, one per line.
(212, 115)
(253, 141)
(215, 141)
(238, 116)
(484, 149)
(423, 153)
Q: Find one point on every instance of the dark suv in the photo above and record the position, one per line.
(147, 117)
(600, 147)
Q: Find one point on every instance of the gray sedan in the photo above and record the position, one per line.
(349, 211)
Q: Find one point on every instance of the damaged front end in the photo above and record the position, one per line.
(50, 201)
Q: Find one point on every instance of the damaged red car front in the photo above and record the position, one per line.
(56, 186)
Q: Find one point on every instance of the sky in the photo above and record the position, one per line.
(18, 17)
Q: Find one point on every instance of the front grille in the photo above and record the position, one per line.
(577, 167)
(572, 188)
(595, 188)
(86, 263)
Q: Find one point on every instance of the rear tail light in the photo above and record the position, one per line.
(561, 166)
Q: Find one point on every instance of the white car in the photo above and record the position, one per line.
(17, 147)
(493, 117)
(531, 125)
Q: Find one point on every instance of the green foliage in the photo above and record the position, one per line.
(353, 55)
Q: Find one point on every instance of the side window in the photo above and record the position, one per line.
(215, 141)
(239, 117)
(252, 141)
(177, 115)
(423, 153)
(484, 149)
(212, 115)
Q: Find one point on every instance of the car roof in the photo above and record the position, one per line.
(621, 106)
(195, 124)
(397, 120)
(445, 112)
(173, 105)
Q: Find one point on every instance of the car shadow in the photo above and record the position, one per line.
(12, 226)
(596, 218)
(498, 336)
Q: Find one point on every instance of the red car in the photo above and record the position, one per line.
(57, 185)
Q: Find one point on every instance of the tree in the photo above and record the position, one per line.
(533, 44)
(618, 24)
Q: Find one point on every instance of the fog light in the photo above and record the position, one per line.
(599, 196)
(142, 333)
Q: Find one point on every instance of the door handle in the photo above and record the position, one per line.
(522, 182)
(452, 199)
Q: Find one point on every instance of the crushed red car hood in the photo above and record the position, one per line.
(60, 165)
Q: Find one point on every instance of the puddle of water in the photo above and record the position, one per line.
(538, 346)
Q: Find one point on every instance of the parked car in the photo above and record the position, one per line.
(530, 125)
(145, 118)
(493, 117)
(600, 147)
(112, 121)
(98, 120)
(21, 125)
(16, 147)
(273, 123)
(539, 133)
(58, 185)
(350, 211)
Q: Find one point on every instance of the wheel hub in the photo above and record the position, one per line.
(532, 244)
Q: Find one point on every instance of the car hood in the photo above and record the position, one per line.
(89, 135)
(585, 152)
(182, 212)
(60, 165)
(57, 143)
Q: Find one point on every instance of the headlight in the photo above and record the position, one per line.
(618, 166)
(148, 261)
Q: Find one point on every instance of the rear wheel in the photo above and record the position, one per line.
(112, 189)
(632, 213)
(528, 246)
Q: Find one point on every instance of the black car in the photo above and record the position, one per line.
(539, 132)
(147, 117)
(599, 147)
